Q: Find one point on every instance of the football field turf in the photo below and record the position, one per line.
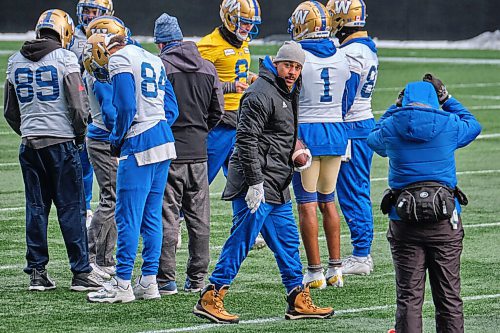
(365, 304)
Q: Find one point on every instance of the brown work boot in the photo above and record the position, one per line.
(211, 306)
(301, 306)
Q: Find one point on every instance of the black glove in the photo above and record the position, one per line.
(80, 143)
(399, 100)
(439, 86)
(115, 151)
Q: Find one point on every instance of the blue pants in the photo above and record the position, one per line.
(53, 174)
(139, 198)
(277, 225)
(88, 175)
(353, 192)
(220, 145)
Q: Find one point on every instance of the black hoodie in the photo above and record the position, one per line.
(199, 97)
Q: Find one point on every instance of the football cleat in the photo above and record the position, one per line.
(234, 13)
(87, 10)
(315, 280)
(309, 20)
(347, 13)
(58, 21)
(334, 277)
(353, 265)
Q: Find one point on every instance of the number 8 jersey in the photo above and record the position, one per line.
(40, 92)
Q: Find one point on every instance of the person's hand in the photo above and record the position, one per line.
(308, 163)
(252, 77)
(255, 196)
(399, 100)
(115, 151)
(439, 86)
(240, 87)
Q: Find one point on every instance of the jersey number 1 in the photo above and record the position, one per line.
(326, 97)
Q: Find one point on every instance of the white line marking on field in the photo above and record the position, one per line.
(488, 136)
(472, 108)
(8, 164)
(337, 313)
(454, 61)
(7, 52)
(10, 267)
(482, 97)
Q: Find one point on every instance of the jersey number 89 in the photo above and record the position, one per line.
(46, 80)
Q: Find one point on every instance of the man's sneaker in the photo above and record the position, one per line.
(353, 265)
(301, 306)
(190, 288)
(149, 292)
(40, 281)
(211, 306)
(86, 282)
(169, 288)
(112, 293)
(260, 243)
(370, 262)
(98, 270)
(334, 277)
(89, 218)
(315, 280)
(111, 270)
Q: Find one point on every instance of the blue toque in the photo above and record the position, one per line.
(167, 29)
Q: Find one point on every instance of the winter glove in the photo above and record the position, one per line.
(115, 151)
(308, 163)
(440, 88)
(399, 100)
(254, 197)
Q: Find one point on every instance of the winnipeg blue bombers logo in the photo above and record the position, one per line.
(300, 16)
(342, 6)
(232, 5)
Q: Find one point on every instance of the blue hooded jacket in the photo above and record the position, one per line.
(420, 139)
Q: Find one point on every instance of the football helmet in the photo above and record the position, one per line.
(59, 21)
(347, 13)
(107, 25)
(104, 7)
(96, 54)
(309, 20)
(233, 13)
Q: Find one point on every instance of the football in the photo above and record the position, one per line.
(300, 157)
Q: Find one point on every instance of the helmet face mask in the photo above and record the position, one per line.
(58, 21)
(241, 17)
(310, 20)
(347, 13)
(87, 10)
(95, 56)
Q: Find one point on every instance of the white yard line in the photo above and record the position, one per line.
(482, 97)
(337, 313)
(7, 52)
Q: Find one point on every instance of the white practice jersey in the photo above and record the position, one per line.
(323, 85)
(40, 92)
(364, 61)
(150, 79)
(80, 39)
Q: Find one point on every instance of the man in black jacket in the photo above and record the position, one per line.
(260, 171)
(201, 102)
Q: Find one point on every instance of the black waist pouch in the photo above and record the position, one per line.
(425, 202)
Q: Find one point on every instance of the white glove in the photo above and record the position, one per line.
(308, 164)
(255, 195)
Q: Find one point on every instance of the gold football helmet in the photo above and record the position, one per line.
(59, 21)
(347, 13)
(309, 20)
(95, 56)
(234, 13)
(107, 25)
(103, 7)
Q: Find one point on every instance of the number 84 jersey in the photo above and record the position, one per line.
(40, 92)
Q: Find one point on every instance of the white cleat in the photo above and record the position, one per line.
(112, 293)
(315, 280)
(353, 265)
(334, 277)
(149, 292)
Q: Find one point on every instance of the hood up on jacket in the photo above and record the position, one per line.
(420, 119)
(184, 56)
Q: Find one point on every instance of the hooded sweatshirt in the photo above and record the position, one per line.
(199, 97)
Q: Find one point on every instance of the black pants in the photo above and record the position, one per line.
(415, 249)
(54, 174)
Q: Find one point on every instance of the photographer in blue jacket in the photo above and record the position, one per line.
(419, 135)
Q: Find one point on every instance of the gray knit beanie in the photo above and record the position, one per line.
(291, 51)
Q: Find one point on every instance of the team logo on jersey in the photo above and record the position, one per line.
(342, 6)
(228, 52)
(246, 50)
(232, 5)
(300, 16)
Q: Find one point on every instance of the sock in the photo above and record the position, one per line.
(315, 268)
(146, 280)
(123, 283)
(360, 258)
(334, 263)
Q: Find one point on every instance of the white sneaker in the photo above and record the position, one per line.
(89, 218)
(99, 272)
(370, 262)
(353, 265)
(149, 292)
(315, 280)
(112, 293)
(260, 243)
(111, 270)
(334, 277)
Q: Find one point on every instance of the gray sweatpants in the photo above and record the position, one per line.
(102, 231)
(187, 190)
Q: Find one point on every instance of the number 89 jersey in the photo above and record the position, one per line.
(150, 80)
(40, 92)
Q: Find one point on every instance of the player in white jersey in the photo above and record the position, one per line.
(323, 102)
(146, 107)
(46, 104)
(353, 186)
